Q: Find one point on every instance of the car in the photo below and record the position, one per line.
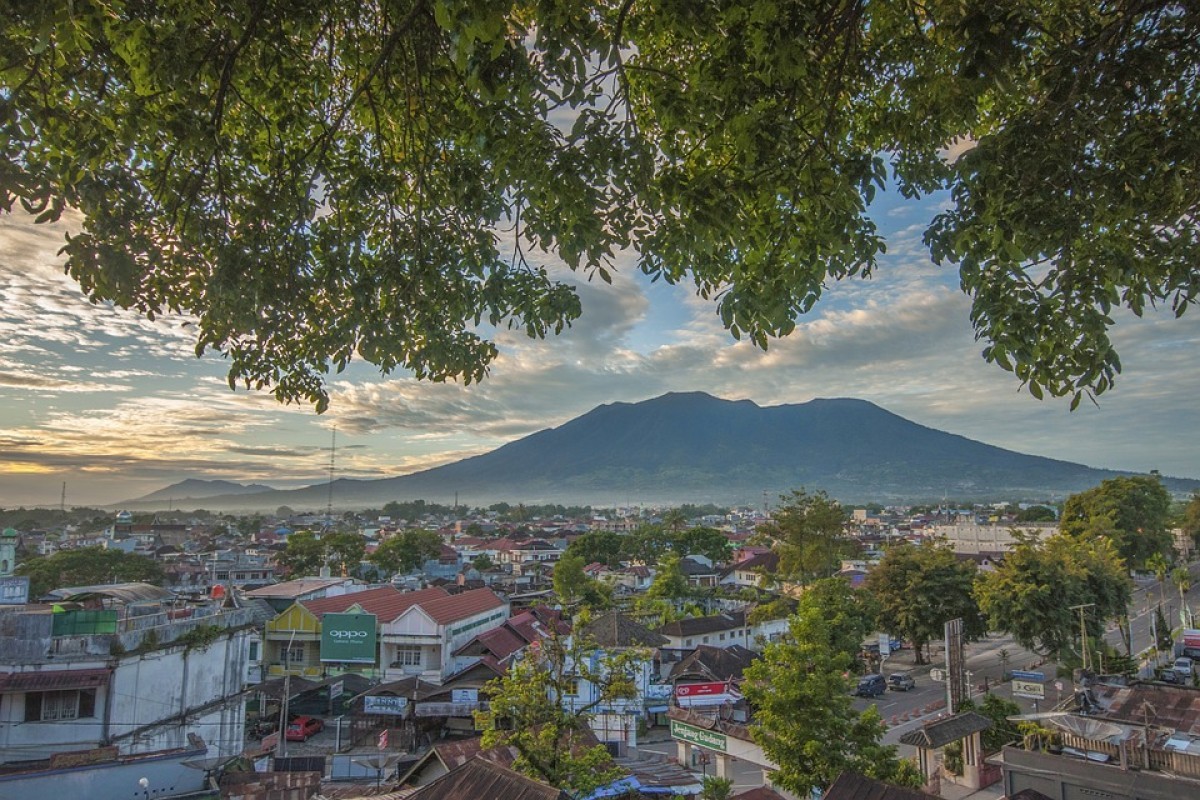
(299, 729)
(1184, 666)
(871, 685)
(901, 682)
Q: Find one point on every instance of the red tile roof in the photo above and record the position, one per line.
(386, 602)
(451, 608)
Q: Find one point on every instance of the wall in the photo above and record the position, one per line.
(166, 774)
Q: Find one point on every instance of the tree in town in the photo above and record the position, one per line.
(804, 720)
(1036, 514)
(708, 542)
(321, 181)
(87, 566)
(851, 614)
(807, 530)
(603, 547)
(647, 544)
(1164, 641)
(405, 551)
(482, 562)
(304, 555)
(715, 788)
(575, 589)
(1190, 519)
(1031, 592)
(674, 520)
(1159, 565)
(921, 588)
(1130, 510)
(1182, 578)
(535, 711)
(344, 551)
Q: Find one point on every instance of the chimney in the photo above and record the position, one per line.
(461, 579)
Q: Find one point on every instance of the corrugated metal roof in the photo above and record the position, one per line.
(944, 731)
(479, 779)
(46, 680)
(852, 786)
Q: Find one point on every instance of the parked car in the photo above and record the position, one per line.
(901, 682)
(1184, 666)
(871, 685)
(299, 729)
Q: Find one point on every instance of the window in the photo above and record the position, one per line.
(408, 657)
(688, 643)
(571, 687)
(253, 652)
(294, 655)
(68, 704)
(722, 637)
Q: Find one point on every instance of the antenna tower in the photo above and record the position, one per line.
(332, 456)
(62, 503)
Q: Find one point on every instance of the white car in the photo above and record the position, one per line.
(1184, 666)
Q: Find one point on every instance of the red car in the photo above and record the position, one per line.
(299, 729)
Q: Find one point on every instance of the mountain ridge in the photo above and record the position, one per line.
(693, 447)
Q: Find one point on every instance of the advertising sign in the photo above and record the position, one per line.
(693, 735)
(385, 704)
(1029, 684)
(348, 638)
(885, 645)
(703, 694)
(337, 689)
(464, 695)
(1191, 636)
(14, 590)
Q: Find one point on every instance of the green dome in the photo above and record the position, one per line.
(9, 533)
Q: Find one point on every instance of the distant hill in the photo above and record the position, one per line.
(693, 447)
(194, 489)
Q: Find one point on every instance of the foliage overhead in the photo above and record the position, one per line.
(319, 181)
(1031, 592)
(804, 720)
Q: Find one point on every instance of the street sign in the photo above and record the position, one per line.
(937, 674)
(1023, 675)
(1029, 689)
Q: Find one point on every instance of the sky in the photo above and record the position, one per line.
(115, 406)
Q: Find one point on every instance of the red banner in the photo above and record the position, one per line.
(700, 689)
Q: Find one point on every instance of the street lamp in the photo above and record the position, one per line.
(144, 783)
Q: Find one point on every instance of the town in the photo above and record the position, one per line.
(424, 650)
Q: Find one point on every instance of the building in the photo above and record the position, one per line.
(113, 679)
(968, 536)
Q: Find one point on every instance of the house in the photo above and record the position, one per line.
(292, 641)
(121, 677)
(699, 572)
(516, 633)
(281, 595)
(480, 778)
(749, 572)
(423, 638)
(616, 723)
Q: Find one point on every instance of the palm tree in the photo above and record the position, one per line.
(1158, 564)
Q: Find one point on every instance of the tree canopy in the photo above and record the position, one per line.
(920, 589)
(1031, 592)
(807, 530)
(1132, 511)
(321, 181)
(406, 550)
(87, 566)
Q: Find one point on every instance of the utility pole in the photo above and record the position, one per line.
(1087, 661)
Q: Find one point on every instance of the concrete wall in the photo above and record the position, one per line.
(1069, 778)
(166, 774)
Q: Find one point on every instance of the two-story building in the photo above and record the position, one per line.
(115, 682)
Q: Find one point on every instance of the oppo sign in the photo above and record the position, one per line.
(348, 638)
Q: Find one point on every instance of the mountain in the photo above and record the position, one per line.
(194, 489)
(693, 447)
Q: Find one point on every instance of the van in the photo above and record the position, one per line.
(871, 686)
(1184, 666)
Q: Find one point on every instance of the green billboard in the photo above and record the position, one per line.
(348, 638)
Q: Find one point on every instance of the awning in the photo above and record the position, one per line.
(53, 680)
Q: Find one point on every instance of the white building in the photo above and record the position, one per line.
(970, 538)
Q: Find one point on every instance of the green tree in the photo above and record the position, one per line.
(1036, 514)
(716, 788)
(647, 543)
(309, 210)
(1031, 592)
(669, 581)
(482, 562)
(87, 566)
(804, 720)
(1190, 519)
(305, 554)
(850, 614)
(534, 711)
(808, 531)
(920, 589)
(1159, 565)
(674, 520)
(1130, 510)
(405, 551)
(1182, 578)
(708, 542)
(604, 547)
(344, 550)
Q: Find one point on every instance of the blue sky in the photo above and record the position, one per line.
(117, 406)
